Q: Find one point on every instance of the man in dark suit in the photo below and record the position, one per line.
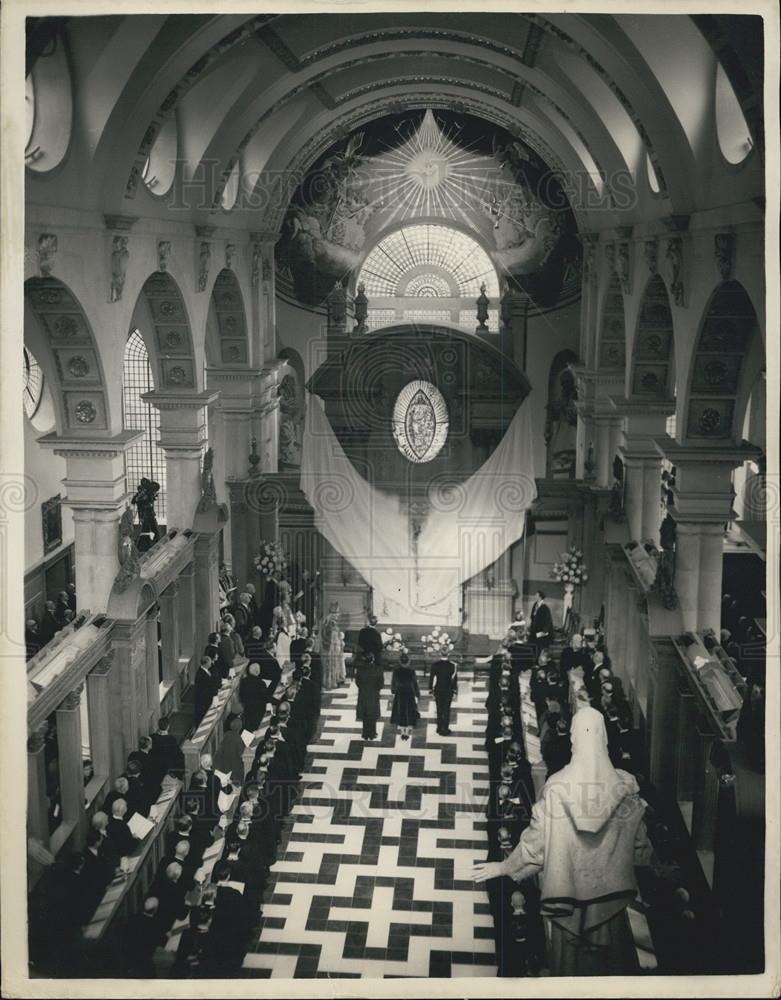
(444, 684)
(254, 646)
(270, 669)
(150, 774)
(253, 695)
(122, 840)
(227, 936)
(32, 638)
(541, 626)
(49, 624)
(370, 640)
(574, 655)
(143, 935)
(166, 752)
(227, 651)
(243, 615)
(298, 645)
(521, 652)
(207, 684)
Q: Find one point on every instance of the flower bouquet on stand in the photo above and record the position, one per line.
(571, 571)
(271, 561)
(438, 645)
(393, 644)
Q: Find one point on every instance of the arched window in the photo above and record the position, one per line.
(33, 383)
(432, 262)
(146, 457)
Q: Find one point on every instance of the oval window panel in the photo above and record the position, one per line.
(420, 421)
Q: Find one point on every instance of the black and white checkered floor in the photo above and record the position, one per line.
(375, 876)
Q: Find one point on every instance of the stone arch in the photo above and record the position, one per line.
(227, 342)
(167, 334)
(728, 358)
(611, 336)
(652, 368)
(61, 338)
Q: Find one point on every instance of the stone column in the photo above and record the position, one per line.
(169, 630)
(70, 763)
(513, 310)
(152, 716)
(37, 810)
(96, 492)
(645, 423)
(127, 684)
(99, 704)
(182, 437)
(703, 505)
(206, 582)
(264, 345)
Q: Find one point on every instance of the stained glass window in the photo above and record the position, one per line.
(33, 383)
(421, 245)
(146, 457)
(420, 421)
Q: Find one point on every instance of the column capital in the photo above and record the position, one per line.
(103, 665)
(636, 406)
(167, 401)
(36, 739)
(72, 700)
(74, 446)
(263, 236)
(725, 453)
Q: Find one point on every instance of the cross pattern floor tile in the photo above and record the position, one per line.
(374, 875)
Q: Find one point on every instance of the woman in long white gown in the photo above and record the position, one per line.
(332, 645)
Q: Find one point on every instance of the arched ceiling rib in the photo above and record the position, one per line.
(582, 80)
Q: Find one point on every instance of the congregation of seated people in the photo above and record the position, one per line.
(228, 811)
(582, 676)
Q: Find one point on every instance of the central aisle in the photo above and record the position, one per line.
(374, 873)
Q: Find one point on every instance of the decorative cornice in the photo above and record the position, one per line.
(120, 223)
(205, 232)
(84, 447)
(676, 223)
(185, 400)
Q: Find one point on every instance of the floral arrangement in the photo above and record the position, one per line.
(438, 643)
(393, 642)
(570, 568)
(270, 561)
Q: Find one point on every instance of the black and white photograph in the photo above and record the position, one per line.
(389, 504)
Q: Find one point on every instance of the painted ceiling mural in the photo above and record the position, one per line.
(434, 166)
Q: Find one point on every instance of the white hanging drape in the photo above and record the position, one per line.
(467, 527)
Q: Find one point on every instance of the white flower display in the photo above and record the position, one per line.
(438, 643)
(271, 560)
(570, 568)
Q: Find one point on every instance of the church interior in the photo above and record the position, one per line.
(394, 392)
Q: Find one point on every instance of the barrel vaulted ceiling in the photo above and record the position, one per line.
(614, 103)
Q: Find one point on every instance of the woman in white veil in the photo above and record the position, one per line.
(585, 838)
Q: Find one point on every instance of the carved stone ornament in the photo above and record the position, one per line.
(208, 490)
(47, 251)
(119, 258)
(610, 256)
(78, 367)
(230, 255)
(623, 268)
(482, 310)
(257, 257)
(129, 567)
(674, 256)
(85, 412)
(651, 249)
(204, 259)
(163, 254)
(361, 307)
(724, 249)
